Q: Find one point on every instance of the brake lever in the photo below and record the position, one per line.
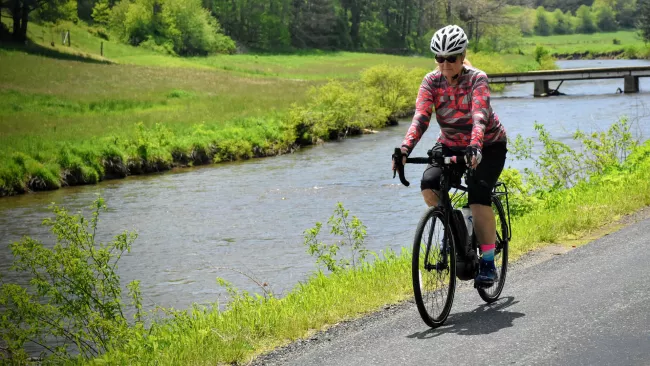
(399, 167)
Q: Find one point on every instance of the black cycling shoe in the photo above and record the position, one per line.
(487, 275)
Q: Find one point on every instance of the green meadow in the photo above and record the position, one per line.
(625, 44)
(70, 116)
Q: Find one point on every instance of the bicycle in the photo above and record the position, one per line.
(438, 260)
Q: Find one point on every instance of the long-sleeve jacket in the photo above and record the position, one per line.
(463, 111)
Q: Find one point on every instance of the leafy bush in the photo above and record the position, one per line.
(101, 12)
(540, 54)
(71, 301)
(192, 29)
(181, 27)
(353, 234)
(559, 166)
(501, 38)
(391, 88)
(631, 52)
(542, 22)
(54, 11)
(336, 110)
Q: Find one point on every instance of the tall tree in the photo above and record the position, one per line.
(478, 14)
(564, 5)
(101, 12)
(257, 24)
(643, 20)
(626, 13)
(562, 24)
(604, 15)
(356, 10)
(314, 24)
(542, 24)
(586, 22)
(19, 11)
(85, 9)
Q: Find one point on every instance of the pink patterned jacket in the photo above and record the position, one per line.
(462, 111)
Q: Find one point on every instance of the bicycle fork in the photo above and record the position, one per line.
(443, 263)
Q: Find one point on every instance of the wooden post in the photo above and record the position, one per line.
(541, 88)
(101, 49)
(69, 41)
(630, 84)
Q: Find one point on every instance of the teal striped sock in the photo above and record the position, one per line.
(488, 252)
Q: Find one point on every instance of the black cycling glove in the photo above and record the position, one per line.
(472, 151)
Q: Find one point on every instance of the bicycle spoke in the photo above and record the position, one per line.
(434, 272)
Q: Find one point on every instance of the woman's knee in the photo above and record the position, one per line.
(430, 179)
(431, 197)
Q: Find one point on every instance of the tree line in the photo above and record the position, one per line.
(601, 15)
(196, 27)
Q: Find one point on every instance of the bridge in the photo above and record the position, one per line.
(540, 79)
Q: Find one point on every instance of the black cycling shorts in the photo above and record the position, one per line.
(480, 186)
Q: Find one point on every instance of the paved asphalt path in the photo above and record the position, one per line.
(590, 306)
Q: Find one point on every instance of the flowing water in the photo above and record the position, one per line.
(250, 215)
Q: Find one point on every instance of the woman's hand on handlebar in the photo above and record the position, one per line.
(473, 156)
(403, 161)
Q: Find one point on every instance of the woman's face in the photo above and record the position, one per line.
(450, 69)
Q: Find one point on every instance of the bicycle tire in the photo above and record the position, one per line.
(492, 293)
(430, 280)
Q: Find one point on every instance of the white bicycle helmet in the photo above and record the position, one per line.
(449, 40)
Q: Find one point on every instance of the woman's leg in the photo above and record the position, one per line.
(485, 225)
(480, 187)
(431, 197)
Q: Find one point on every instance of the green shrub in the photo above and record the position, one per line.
(351, 233)
(390, 88)
(180, 27)
(72, 295)
(338, 110)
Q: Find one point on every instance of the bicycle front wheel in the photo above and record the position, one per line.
(492, 293)
(434, 267)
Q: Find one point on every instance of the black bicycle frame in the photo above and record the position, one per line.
(444, 199)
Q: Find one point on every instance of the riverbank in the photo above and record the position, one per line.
(630, 54)
(254, 325)
(72, 121)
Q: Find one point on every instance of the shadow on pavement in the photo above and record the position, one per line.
(485, 319)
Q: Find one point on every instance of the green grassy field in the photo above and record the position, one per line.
(54, 96)
(308, 65)
(596, 44)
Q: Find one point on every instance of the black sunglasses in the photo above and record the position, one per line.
(451, 58)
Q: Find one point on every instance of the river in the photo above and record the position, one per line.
(250, 215)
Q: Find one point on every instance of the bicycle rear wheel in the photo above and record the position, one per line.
(434, 267)
(492, 293)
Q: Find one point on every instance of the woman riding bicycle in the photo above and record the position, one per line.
(461, 97)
